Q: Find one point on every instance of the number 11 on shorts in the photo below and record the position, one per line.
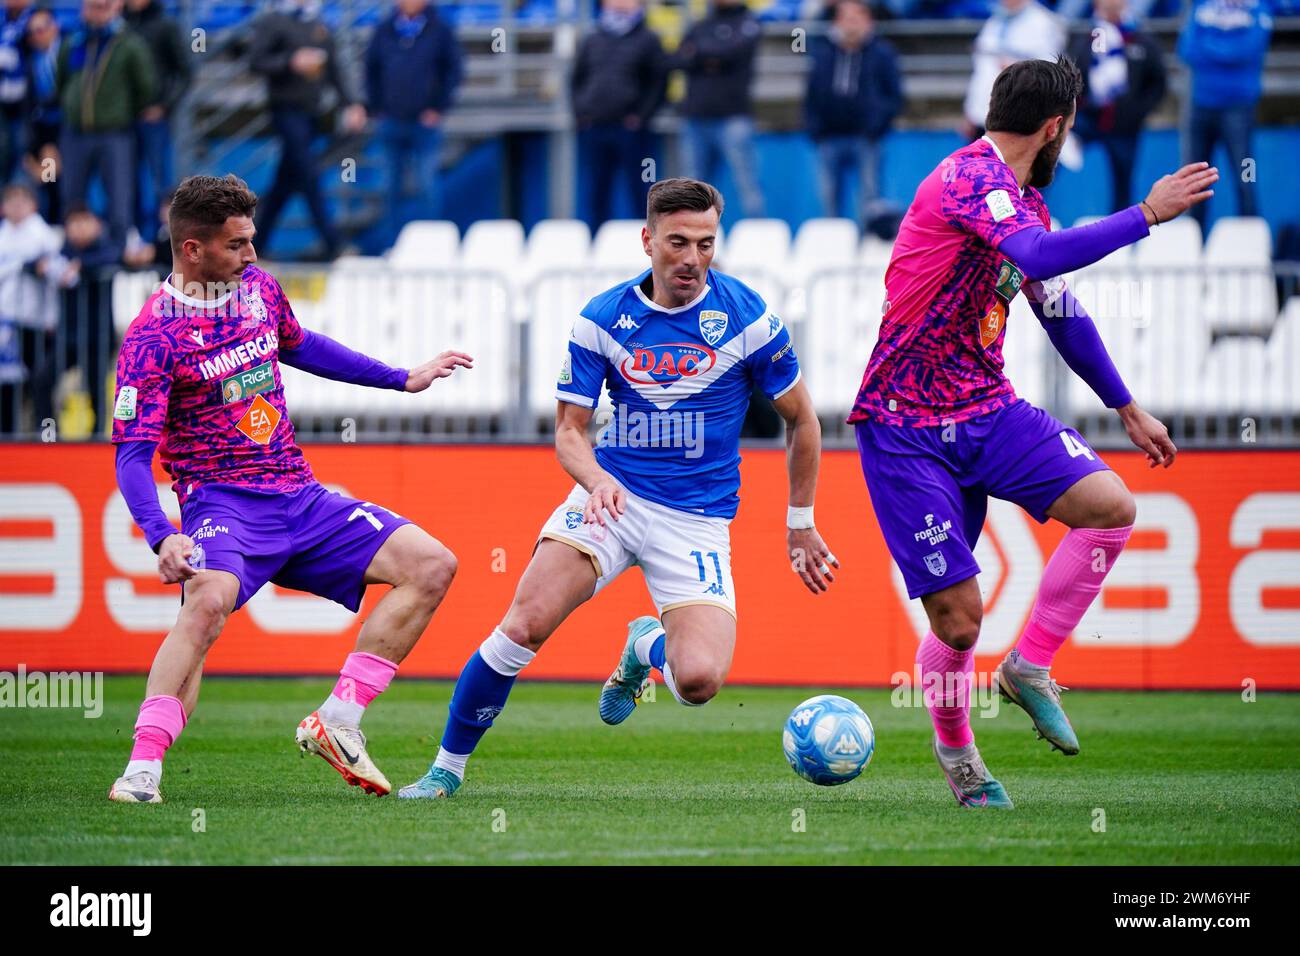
(699, 556)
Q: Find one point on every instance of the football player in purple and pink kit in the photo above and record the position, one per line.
(940, 429)
(198, 380)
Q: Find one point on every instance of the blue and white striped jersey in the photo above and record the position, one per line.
(680, 382)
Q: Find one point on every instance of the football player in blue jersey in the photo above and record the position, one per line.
(680, 348)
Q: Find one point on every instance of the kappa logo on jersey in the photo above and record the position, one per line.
(247, 384)
(625, 322)
(253, 299)
(260, 421)
(713, 325)
(667, 363)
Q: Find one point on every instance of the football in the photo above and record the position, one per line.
(828, 740)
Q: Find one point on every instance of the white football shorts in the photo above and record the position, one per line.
(686, 558)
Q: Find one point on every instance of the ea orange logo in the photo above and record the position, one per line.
(260, 421)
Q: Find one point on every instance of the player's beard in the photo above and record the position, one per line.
(1043, 170)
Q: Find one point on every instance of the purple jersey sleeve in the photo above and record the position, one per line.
(982, 197)
(135, 479)
(144, 383)
(1042, 254)
(1076, 338)
(321, 355)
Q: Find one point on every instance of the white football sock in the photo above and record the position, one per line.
(153, 766)
(452, 762)
(643, 644)
(346, 713)
(672, 686)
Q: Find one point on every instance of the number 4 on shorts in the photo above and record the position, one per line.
(1075, 447)
(363, 513)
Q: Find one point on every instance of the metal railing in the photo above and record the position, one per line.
(1206, 349)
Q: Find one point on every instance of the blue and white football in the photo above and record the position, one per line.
(828, 740)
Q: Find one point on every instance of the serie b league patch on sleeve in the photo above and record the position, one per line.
(125, 408)
(999, 203)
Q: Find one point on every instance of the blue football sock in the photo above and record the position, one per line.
(656, 654)
(479, 697)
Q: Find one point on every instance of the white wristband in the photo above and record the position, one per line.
(796, 518)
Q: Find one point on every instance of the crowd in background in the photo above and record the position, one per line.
(87, 116)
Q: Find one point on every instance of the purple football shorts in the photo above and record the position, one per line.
(930, 486)
(312, 539)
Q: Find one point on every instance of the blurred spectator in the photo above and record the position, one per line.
(153, 136)
(618, 83)
(105, 81)
(1123, 81)
(85, 267)
(854, 94)
(28, 307)
(294, 49)
(718, 57)
(1017, 30)
(1224, 43)
(413, 67)
(13, 84)
(42, 159)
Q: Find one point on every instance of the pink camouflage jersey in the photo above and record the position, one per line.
(947, 292)
(203, 380)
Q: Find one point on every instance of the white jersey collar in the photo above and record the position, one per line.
(189, 300)
(651, 303)
(986, 139)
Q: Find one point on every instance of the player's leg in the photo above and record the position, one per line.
(1052, 473)
(173, 685)
(573, 560)
(930, 524)
(557, 580)
(686, 559)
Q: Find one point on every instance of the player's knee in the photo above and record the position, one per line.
(958, 626)
(698, 684)
(436, 569)
(526, 627)
(1122, 509)
(206, 611)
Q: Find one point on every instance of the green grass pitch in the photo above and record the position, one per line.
(1181, 778)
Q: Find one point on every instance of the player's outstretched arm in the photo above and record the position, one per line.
(1043, 254)
(573, 449)
(809, 556)
(422, 376)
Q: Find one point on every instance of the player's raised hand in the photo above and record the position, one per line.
(1174, 194)
(422, 376)
(1149, 434)
(174, 559)
(810, 558)
(607, 497)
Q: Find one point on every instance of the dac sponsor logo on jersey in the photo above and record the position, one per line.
(666, 363)
(260, 421)
(936, 564)
(713, 325)
(247, 384)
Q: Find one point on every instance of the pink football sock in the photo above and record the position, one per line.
(945, 686)
(1070, 584)
(160, 722)
(363, 678)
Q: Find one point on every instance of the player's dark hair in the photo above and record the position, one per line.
(202, 204)
(1030, 92)
(675, 195)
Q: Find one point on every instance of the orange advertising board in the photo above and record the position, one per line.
(1207, 595)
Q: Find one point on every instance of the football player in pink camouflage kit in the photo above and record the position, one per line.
(198, 379)
(940, 429)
